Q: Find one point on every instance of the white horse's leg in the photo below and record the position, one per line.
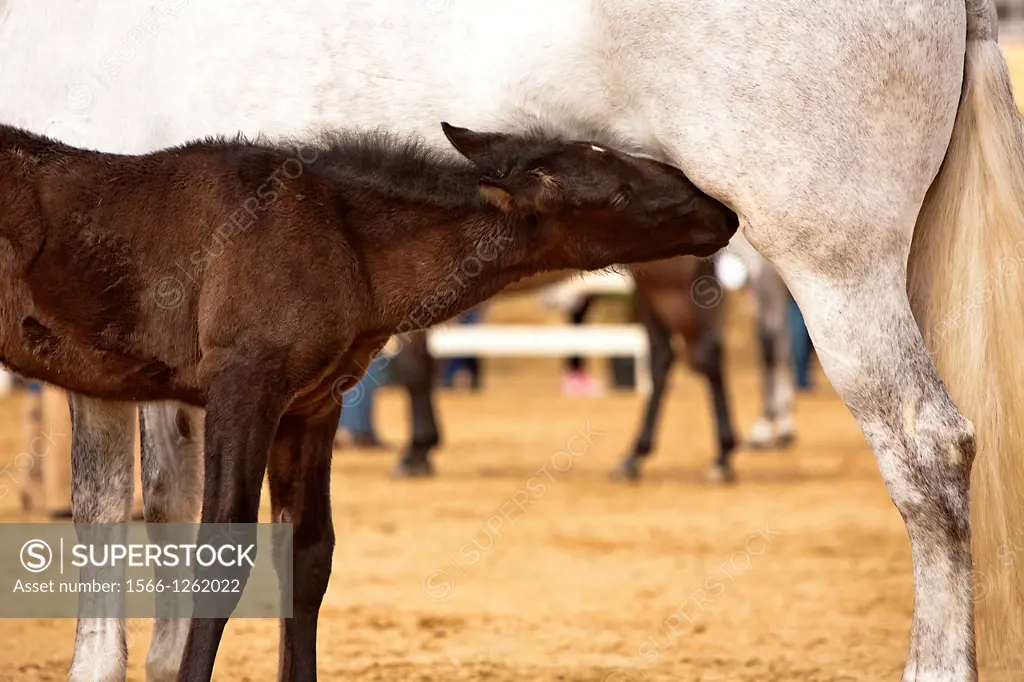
(102, 487)
(871, 349)
(172, 492)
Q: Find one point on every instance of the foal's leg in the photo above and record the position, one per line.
(416, 370)
(300, 493)
(245, 401)
(102, 488)
(661, 357)
(772, 298)
(172, 492)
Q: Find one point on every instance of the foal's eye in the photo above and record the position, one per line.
(621, 198)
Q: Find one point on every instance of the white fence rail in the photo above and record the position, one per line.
(522, 340)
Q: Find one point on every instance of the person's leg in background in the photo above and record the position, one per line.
(800, 343)
(576, 380)
(357, 409)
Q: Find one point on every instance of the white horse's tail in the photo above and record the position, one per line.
(966, 285)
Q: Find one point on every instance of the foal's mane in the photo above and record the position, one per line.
(18, 139)
(379, 161)
(408, 167)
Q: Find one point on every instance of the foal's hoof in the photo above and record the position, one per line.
(720, 474)
(628, 470)
(413, 469)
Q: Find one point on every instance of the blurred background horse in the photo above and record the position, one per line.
(680, 297)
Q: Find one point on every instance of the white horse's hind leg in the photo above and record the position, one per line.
(172, 492)
(871, 349)
(102, 464)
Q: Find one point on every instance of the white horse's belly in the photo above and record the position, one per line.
(825, 110)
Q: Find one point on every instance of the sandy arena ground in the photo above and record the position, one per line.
(804, 564)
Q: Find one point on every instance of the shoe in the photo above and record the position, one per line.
(581, 384)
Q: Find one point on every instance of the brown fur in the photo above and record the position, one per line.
(95, 240)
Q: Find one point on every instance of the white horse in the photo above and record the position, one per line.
(849, 135)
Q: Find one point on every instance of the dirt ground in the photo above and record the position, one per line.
(522, 562)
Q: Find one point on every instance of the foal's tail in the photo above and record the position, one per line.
(967, 290)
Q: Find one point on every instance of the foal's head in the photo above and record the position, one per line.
(599, 206)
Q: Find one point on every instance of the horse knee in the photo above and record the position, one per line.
(661, 363)
(706, 358)
(929, 479)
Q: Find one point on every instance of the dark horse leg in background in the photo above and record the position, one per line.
(416, 367)
(705, 355)
(662, 357)
(417, 372)
(668, 302)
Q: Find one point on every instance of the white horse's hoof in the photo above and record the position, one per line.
(761, 435)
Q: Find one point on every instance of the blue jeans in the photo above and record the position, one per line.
(357, 402)
(800, 345)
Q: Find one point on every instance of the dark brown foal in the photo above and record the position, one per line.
(253, 279)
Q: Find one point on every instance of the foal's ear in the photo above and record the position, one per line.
(533, 191)
(476, 147)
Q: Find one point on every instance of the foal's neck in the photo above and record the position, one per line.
(434, 269)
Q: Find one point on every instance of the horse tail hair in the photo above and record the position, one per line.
(966, 286)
